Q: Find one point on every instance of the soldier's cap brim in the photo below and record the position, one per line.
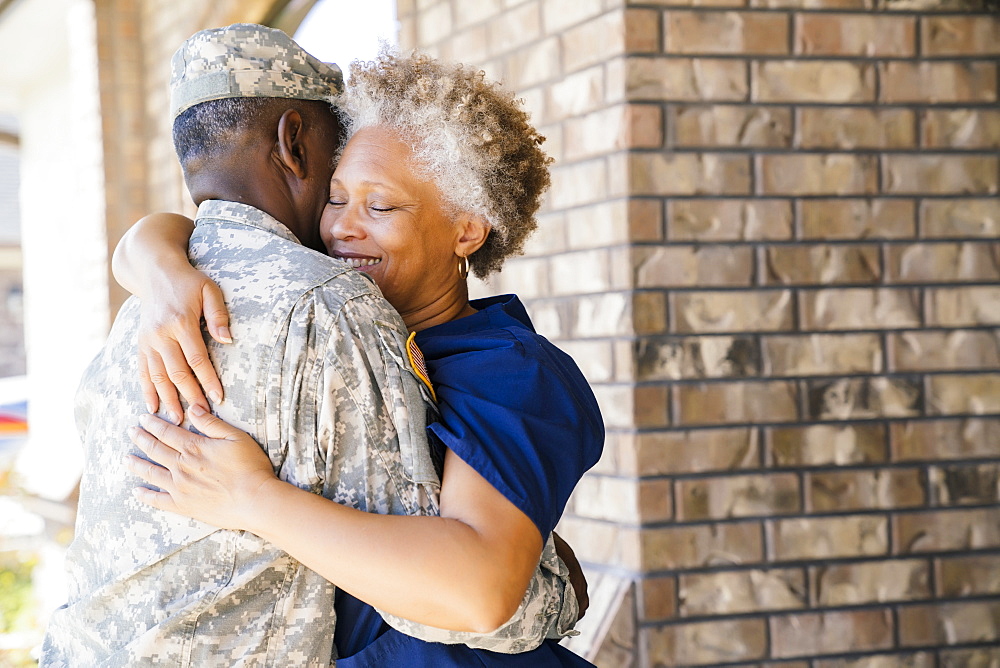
(247, 60)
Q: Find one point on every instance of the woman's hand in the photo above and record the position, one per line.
(172, 352)
(216, 478)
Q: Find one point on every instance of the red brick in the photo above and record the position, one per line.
(821, 354)
(968, 575)
(742, 591)
(828, 537)
(693, 357)
(961, 218)
(851, 128)
(963, 394)
(820, 444)
(970, 658)
(957, 35)
(965, 306)
(855, 35)
(807, 634)
(707, 643)
(965, 484)
(746, 311)
(688, 174)
(703, 545)
(738, 496)
(735, 402)
(971, 349)
(942, 174)
(946, 530)
(949, 623)
(685, 79)
(697, 451)
(690, 266)
(857, 398)
(729, 220)
(812, 81)
(857, 308)
(844, 218)
(657, 598)
(817, 174)
(598, 38)
(730, 125)
(944, 262)
(689, 32)
(814, 4)
(961, 128)
(907, 660)
(864, 489)
(870, 582)
(935, 82)
(972, 438)
(818, 265)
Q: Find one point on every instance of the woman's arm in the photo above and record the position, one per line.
(151, 262)
(466, 570)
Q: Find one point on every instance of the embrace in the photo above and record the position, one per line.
(370, 466)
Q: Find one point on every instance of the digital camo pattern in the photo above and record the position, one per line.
(549, 609)
(247, 60)
(310, 378)
(316, 376)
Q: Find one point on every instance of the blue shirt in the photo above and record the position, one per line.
(513, 406)
(517, 410)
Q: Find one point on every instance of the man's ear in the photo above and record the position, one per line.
(473, 230)
(290, 148)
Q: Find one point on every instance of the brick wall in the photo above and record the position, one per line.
(771, 244)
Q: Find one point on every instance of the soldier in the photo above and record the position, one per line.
(316, 373)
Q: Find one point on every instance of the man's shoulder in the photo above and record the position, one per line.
(252, 256)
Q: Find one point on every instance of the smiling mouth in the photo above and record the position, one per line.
(358, 262)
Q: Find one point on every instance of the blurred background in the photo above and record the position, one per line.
(771, 244)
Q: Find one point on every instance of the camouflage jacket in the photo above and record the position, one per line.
(317, 375)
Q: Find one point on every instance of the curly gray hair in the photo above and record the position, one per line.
(469, 135)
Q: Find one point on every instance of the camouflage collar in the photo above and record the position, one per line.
(217, 210)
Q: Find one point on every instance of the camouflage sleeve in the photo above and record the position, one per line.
(549, 609)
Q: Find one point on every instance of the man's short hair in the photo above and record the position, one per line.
(204, 129)
(212, 128)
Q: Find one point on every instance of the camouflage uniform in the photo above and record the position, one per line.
(317, 376)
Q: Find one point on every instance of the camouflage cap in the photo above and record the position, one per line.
(247, 60)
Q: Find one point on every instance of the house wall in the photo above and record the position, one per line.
(771, 245)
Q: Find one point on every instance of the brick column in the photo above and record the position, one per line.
(771, 245)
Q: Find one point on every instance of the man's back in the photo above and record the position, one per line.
(316, 376)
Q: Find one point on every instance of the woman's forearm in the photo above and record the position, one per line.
(436, 571)
(151, 250)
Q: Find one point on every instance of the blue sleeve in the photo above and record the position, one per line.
(519, 411)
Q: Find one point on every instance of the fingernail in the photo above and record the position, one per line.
(150, 408)
(215, 396)
(198, 410)
(172, 418)
(225, 335)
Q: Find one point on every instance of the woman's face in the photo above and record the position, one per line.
(390, 223)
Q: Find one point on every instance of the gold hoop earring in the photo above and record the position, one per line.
(463, 267)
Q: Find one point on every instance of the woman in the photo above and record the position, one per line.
(442, 174)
